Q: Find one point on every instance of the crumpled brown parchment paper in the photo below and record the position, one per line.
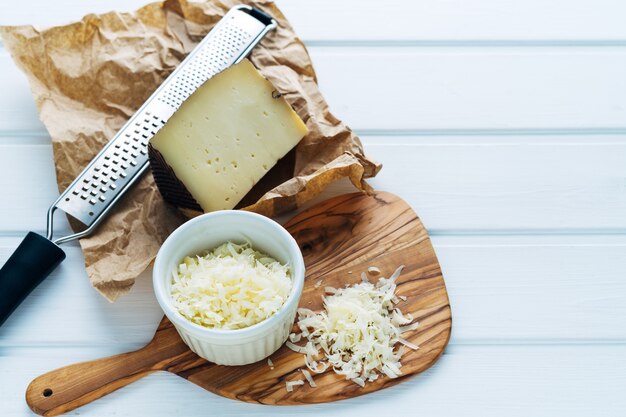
(89, 77)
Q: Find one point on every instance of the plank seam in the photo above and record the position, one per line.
(9, 136)
(129, 346)
(5, 234)
(562, 131)
(465, 43)
(453, 43)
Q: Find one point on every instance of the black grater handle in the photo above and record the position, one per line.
(33, 260)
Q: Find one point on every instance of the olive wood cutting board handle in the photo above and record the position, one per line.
(339, 239)
(72, 386)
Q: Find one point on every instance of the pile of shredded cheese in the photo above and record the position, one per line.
(356, 333)
(230, 287)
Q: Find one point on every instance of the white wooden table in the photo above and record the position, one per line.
(502, 122)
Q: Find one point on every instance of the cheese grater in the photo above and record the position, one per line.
(125, 158)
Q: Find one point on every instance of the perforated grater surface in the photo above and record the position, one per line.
(122, 161)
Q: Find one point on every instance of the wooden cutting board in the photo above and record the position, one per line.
(340, 238)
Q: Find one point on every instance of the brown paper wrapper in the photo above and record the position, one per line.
(89, 77)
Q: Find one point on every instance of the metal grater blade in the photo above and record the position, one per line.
(122, 161)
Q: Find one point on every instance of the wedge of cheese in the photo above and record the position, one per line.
(226, 136)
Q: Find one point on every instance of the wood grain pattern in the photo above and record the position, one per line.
(340, 238)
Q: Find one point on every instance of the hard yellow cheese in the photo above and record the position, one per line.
(227, 135)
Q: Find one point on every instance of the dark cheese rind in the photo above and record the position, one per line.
(175, 193)
(170, 187)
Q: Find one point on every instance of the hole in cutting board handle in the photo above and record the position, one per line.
(47, 392)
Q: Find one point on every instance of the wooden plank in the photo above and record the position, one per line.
(408, 88)
(28, 186)
(440, 88)
(456, 20)
(17, 106)
(328, 20)
(485, 381)
(507, 184)
(503, 289)
(530, 289)
(457, 184)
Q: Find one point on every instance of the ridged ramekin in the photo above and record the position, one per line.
(241, 346)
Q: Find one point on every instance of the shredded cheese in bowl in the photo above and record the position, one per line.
(230, 287)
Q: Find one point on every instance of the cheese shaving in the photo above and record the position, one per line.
(230, 287)
(401, 350)
(291, 384)
(409, 327)
(357, 332)
(408, 344)
(359, 381)
(373, 270)
(309, 378)
(270, 363)
(295, 338)
(314, 366)
(295, 348)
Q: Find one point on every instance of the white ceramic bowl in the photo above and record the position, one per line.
(241, 346)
